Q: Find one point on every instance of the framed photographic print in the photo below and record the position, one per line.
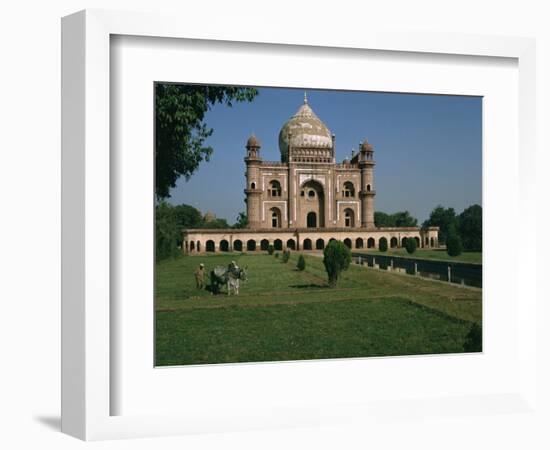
(281, 230)
(294, 260)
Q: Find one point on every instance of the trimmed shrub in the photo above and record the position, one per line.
(301, 265)
(410, 245)
(270, 249)
(454, 245)
(473, 341)
(276, 254)
(337, 257)
(286, 256)
(383, 245)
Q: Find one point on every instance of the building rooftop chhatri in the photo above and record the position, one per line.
(253, 142)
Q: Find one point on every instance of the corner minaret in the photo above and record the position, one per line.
(366, 164)
(253, 191)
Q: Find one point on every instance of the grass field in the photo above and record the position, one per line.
(283, 314)
(437, 254)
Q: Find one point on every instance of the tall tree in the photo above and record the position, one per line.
(180, 128)
(470, 228)
(445, 219)
(166, 232)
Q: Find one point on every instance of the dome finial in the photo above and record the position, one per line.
(305, 97)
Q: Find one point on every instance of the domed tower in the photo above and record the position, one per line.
(253, 191)
(366, 164)
(305, 138)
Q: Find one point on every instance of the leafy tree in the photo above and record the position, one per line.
(454, 243)
(444, 218)
(181, 130)
(166, 232)
(382, 219)
(383, 245)
(242, 221)
(270, 249)
(470, 228)
(188, 217)
(474, 339)
(398, 219)
(337, 257)
(410, 245)
(216, 224)
(301, 265)
(404, 219)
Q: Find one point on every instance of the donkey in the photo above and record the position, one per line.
(230, 277)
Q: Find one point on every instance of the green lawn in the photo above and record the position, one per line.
(283, 314)
(438, 254)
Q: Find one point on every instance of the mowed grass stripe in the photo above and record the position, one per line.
(343, 329)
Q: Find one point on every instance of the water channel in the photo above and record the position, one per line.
(454, 272)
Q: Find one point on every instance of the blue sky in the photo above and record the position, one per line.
(427, 147)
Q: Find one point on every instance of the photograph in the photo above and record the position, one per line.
(298, 224)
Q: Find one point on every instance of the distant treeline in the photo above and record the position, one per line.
(466, 226)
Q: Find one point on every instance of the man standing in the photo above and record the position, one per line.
(199, 276)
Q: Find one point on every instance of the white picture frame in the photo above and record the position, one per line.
(87, 356)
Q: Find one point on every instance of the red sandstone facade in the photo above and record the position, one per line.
(307, 198)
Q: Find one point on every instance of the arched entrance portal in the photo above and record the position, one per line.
(311, 203)
(311, 220)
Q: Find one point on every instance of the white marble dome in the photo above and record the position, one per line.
(305, 130)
